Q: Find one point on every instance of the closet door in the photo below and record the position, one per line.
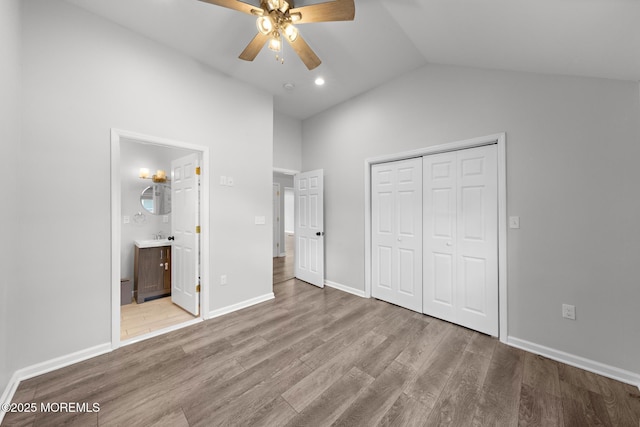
(396, 236)
(461, 238)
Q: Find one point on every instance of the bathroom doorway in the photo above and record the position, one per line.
(147, 261)
(284, 217)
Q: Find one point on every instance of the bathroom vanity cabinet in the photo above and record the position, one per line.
(152, 272)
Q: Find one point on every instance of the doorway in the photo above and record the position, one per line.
(283, 220)
(140, 226)
(500, 169)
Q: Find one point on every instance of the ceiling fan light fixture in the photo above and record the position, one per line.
(273, 4)
(290, 31)
(295, 17)
(274, 43)
(264, 24)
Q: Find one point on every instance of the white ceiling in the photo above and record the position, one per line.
(593, 38)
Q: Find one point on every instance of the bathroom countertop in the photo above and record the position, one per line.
(152, 243)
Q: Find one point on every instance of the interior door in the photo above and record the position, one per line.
(396, 236)
(309, 226)
(185, 247)
(461, 238)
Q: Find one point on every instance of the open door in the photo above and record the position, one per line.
(185, 209)
(309, 227)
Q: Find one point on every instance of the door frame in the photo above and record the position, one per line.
(276, 244)
(116, 229)
(500, 140)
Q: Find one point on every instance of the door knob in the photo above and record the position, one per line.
(320, 233)
(449, 243)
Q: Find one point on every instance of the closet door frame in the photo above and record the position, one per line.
(500, 140)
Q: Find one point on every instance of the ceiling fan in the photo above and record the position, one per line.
(276, 19)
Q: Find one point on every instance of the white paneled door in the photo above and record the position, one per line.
(309, 227)
(396, 238)
(461, 238)
(184, 219)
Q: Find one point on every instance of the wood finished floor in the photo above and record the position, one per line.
(283, 267)
(320, 357)
(139, 319)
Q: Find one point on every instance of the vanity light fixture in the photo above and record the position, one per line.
(159, 177)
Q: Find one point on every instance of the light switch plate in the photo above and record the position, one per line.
(126, 219)
(165, 218)
(260, 220)
(230, 181)
(223, 180)
(514, 222)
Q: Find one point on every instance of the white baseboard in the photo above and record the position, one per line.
(344, 288)
(577, 361)
(239, 306)
(48, 366)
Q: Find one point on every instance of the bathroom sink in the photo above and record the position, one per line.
(152, 243)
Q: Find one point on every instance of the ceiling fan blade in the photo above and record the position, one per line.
(254, 47)
(235, 5)
(338, 10)
(305, 53)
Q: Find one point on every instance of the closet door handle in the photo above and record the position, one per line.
(449, 244)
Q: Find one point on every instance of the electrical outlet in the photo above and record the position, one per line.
(223, 279)
(514, 222)
(126, 219)
(569, 311)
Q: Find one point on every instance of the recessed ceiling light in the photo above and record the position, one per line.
(289, 86)
(319, 81)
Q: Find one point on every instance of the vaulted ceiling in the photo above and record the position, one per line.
(592, 38)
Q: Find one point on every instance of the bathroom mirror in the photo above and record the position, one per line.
(156, 199)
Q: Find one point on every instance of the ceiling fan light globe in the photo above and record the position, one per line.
(264, 24)
(274, 43)
(291, 32)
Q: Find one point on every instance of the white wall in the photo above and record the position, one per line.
(133, 156)
(287, 142)
(82, 76)
(572, 150)
(9, 172)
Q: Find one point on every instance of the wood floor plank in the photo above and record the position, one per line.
(541, 374)
(539, 408)
(308, 389)
(462, 392)
(276, 413)
(405, 412)
(582, 407)
(376, 400)
(500, 401)
(327, 407)
(432, 376)
(388, 350)
(239, 411)
(416, 353)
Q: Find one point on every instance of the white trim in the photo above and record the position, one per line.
(277, 244)
(344, 288)
(239, 306)
(49, 366)
(500, 140)
(286, 171)
(577, 361)
(116, 136)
